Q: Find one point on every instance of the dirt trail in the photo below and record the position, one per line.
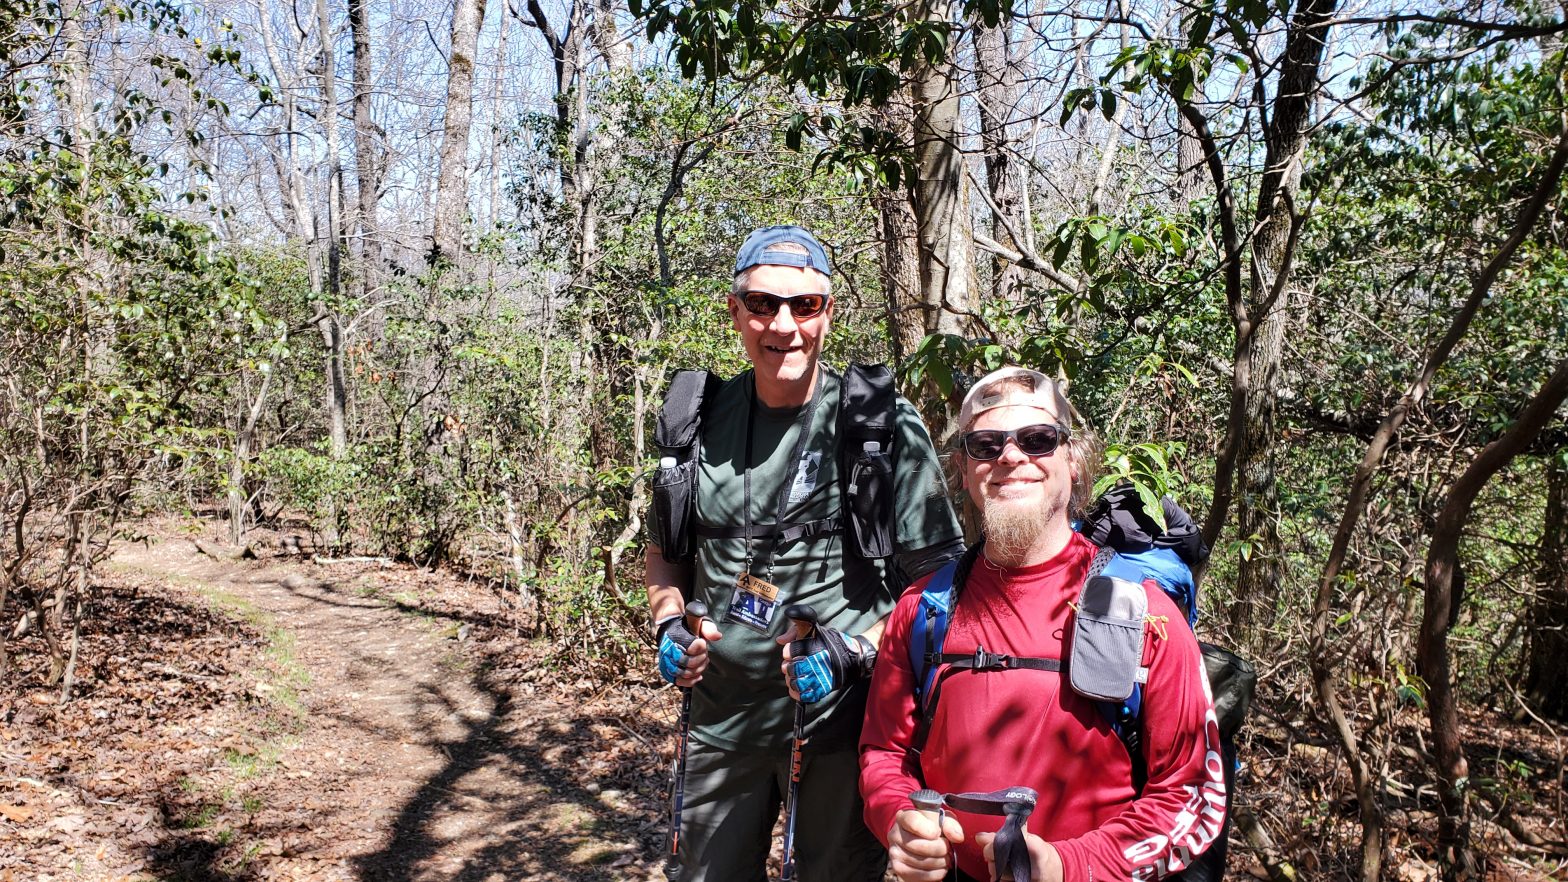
(416, 741)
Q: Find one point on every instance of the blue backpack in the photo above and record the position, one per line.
(1109, 669)
(1118, 681)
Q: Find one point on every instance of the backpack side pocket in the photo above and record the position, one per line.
(1232, 680)
(870, 502)
(674, 508)
(1107, 648)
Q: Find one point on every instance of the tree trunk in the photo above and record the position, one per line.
(571, 144)
(996, 68)
(1113, 133)
(598, 138)
(1458, 860)
(329, 123)
(514, 537)
(452, 180)
(1189, 160)
(940, 194)
(331, 325)
(73, 69)
(291, 179)
(639, 499)
(494, 153)
(900, 271)
(616, 52)
(1190, 180)
(367, 156)
(243, 443)
(1546, 681)
(1261, 572)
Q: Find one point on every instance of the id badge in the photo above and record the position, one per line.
(753, 603)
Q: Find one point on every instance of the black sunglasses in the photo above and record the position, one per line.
(801, 306)
(1037, 440)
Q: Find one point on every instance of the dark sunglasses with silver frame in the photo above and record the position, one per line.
(1040, 439)
(766, 304)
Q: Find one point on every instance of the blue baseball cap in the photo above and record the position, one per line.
(761, 247)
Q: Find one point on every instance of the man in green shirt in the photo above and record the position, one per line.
(769, 456)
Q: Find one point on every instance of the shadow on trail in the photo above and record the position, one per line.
(530, 787)
(334, 592)
(485, 776)
(512, 800)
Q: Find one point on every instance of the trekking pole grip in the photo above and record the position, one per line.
(931, 804)
(804, 617)
(928, 801)
(696, 611)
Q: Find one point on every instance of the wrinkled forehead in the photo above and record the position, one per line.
(1006, 390)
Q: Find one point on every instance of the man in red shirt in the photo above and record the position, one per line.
(1028, 475)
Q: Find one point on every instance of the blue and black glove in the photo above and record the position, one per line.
(674, 639)
(829, 660)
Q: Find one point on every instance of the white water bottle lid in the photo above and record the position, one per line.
(667, 462)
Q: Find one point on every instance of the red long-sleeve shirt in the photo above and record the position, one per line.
(995, 729)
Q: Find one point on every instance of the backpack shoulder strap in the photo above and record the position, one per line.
(928, 634)
(929, 629)
(869, 402)
(1105, 661)
(680, 419)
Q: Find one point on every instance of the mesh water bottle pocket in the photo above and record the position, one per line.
(674, 508)
(871, 503)
(1232, 680)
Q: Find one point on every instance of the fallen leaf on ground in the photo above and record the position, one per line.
(18, 814)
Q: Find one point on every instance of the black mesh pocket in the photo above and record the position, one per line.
(674, 510)
(1232, 680)
(870, 504)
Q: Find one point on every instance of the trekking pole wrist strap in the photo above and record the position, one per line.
(865, 654)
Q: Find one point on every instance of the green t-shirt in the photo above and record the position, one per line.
(742, 702)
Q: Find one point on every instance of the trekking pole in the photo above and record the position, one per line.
(696, 611)
(1010, 853)
(804, 618)
(930, 803)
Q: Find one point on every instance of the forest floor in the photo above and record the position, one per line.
(287, 719)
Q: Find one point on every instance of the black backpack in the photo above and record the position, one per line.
(866, 455)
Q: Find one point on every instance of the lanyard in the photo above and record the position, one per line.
(810, 411)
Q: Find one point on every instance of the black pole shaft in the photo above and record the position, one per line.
(696, 611)
(804, 619)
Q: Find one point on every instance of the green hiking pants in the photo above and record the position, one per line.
(733, 799)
